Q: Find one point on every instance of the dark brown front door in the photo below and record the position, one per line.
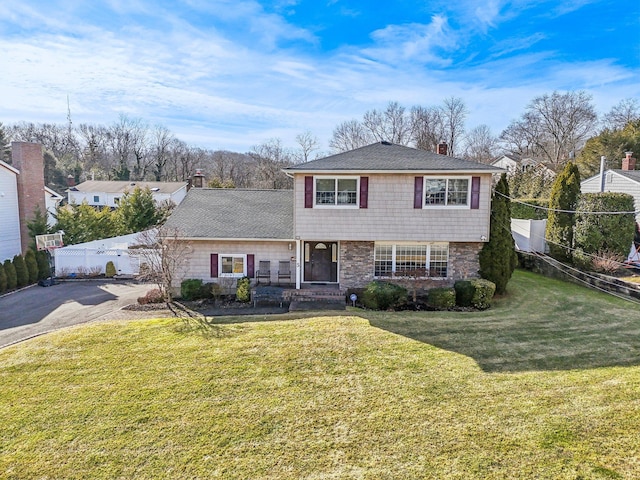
(321, 262)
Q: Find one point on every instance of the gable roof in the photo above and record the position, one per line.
(122, 186)
(234, 214)
(389, 157)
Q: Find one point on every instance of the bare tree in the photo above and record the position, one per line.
(164, 259)
(270, 158)
(427, 127)
(553, 128)
(391, 125)
(160, 150)
(127, 142)
(480, 145)
(454, 113)
(308, 143)
(627, 110)
(349, 135)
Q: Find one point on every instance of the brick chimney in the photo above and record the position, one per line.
(27, 158)
(628, 162)
(442, 148)
(71, 181)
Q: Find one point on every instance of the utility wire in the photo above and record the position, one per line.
(563, 211)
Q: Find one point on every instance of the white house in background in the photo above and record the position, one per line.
(9, 212)
(513, 163)
(52, 200)
(625, 180)
(101, 193)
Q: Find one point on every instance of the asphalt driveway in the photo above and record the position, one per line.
(37, 310)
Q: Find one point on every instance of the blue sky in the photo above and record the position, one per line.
(230, 74)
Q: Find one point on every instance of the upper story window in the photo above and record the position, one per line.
(96, 199)
(336, 191)
(446, 192)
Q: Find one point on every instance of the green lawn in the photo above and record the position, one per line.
(544, 385)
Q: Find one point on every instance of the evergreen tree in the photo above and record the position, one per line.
(498, 257)
(44, 270)
(37, 226)
(10, 270)
(83, 223)
(137, 211)
(22, 274)
(3, 280)
(32, 266)
(565, 194)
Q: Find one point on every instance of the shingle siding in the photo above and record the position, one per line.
(391, 215)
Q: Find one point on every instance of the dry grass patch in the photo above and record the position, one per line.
(507, 393)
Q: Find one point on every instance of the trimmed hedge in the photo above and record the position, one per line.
(527, 212)
(22, 274)
(383, 295)
(442, 298)
(190, 288)
(10, 271)
(594, 234)
(32, 266)
(474, 293)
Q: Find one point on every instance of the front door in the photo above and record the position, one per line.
(320, 262)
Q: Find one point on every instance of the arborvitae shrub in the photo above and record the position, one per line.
(3, 280)
(110, 269)
(383, 295)
(32, 266)
(190, 288)
(22, 274)
(43, 265)
(10, 270)
(565, 194)
(243, 290)
(498, 257)
(442, 298)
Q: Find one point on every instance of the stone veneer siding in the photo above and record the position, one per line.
(357, 265)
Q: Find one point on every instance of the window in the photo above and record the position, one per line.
(96, 199)
(421, 260)
(337, 191)
(446, 192)
(233, 265)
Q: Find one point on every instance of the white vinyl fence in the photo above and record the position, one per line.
(71, 261)
(529, 235)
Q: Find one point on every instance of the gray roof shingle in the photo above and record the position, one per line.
(630, 174)
(234, 214)
(385, 156)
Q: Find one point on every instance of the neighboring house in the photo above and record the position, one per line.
(101, 193)
(626, 180)
(52, 200)
(9, 212)
(515, 163)
(377, 212)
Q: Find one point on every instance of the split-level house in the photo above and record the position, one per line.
(378, 212)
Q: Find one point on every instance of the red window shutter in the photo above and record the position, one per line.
(251, 265)
(308, 192)
(475, 192)
(364, 192)
(214, 265)
(417, 192)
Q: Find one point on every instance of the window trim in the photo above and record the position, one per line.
(221, 256)
(466, 206)
(335, 178)
(394, 246)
